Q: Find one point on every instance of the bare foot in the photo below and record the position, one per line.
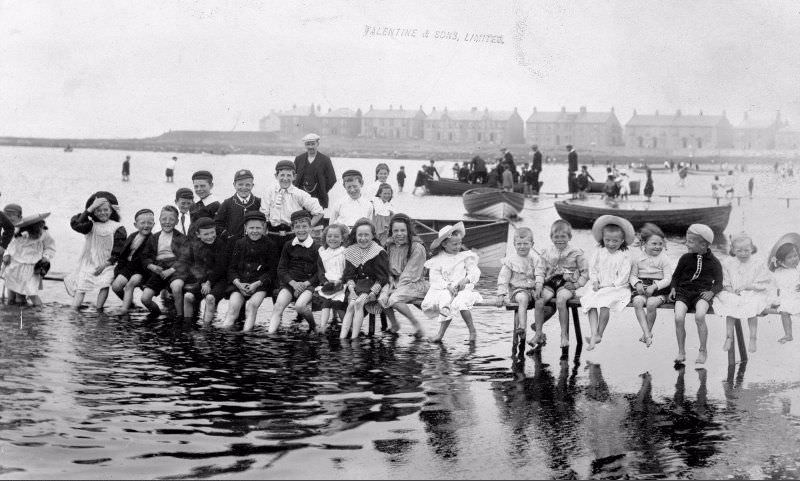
(435, 340)
(535, 340)
(642, 339)
(752, 346)
(564, 341)
(597, 339)
(701, 357)
(648, 341)
(420, 334)
(590, 343)
(680, 358)
(785, 339)
(728, 344)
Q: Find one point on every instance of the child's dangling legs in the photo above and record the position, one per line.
(538, 315)
(752, 324)
(77, 301)
(639, 303)
(605, 315)
(347, 320)
(358, 315)
(251, 310)
(786, 320)
(562, 297)
(730, 322)
(467, 316)
(210, 309)
(235, 303)
(36, 301)
(325, 315)
(176, 287)
(593, 323)
(102, 296)
(523, 299)
(147, 300)
(680, 329)
(283, 300)
(700, 310)
(303, 307)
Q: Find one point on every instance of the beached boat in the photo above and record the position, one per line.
(597, 187)
(673, 218)
(495, 203)
(456, 187)
(487, 237)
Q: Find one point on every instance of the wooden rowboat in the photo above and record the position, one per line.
(672, 218)
(495, 203)
(486, 237)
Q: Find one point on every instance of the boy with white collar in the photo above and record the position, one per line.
(347, 211)
(208, 205)
(284, 199)
(298, 272)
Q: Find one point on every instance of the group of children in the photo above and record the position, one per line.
(617, 273)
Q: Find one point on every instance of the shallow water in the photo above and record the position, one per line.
(95, 395)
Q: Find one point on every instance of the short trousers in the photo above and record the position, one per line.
(689, 296)
(169, 172)
(129, 270)
(155, 281)
(556, 284)
(662, 293)
(217, 290)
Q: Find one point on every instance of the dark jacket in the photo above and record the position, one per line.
(253, 261)
(136, 259)
(230, 217)
(199, 210)
(537, 160)
(572, 160)
(710, 278)
(151, 247)
(200, 262)
(299, 263)
(370, 275)
(83, 224)
(8, 230)
(316, 178)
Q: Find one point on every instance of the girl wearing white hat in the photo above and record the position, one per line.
(453, 274)
(609, 274)
(28, 259)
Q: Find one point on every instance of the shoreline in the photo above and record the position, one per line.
(383, 149)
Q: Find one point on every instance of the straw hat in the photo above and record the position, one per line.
(790, 238)
(31, 219)
(445, 233)
(604, 220)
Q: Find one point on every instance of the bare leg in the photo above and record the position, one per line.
(347, 320)
(188, 304)
(303, 307)
(36, 301)
(786, 320)
(729, 323)
(652, 305)
(405, 310)
(325, 315)
(638, 308)
(102, 296)
(467, 316)
(210, 310)
(235, 303)
(605, 314)
(176, 287)
(118, 286)
(700, 310)
(752, 324)
(523, 299)
(130, 287)
(680, 330)
(77, 301)
(443, 325)
(562, 297)
(251, 310)
(538, 316)
(283, 300)
(394, 326)
(593, 323)
(358, 318)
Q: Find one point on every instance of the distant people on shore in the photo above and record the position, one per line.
(170, 169)
(583, 182)
(126, 168)
(478, 167)
(572, 169)
(648, 186)
(401, 178)
(315, 173)
(507, 158)
(536, 168)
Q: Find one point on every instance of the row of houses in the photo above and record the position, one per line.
(592, 130)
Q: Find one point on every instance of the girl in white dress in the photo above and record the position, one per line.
(609, 274)
(26, 257)
(105, 237)
(453, 274)
(382, 211)
(746, 284)
(331, 257)
(783, 262)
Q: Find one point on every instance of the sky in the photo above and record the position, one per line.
(139, 68)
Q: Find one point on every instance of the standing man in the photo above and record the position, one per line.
(536, 168)
(572, 169)
(315, 173)
(509, 159)
(171, 168)
(126, 168)
(478, 170)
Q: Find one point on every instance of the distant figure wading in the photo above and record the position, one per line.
(170, 170)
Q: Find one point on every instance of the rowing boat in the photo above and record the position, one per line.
(496, 203)
(486, 237)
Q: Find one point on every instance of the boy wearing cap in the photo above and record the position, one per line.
(12, 214)
(184, 200)
(159, 257)
(129, 271)
(298, 273)
(284, 199)
(695, 282)
(348, 210)
(250, 271)
(314, 169)
(230, 216)
(201, 270)
(208, 205)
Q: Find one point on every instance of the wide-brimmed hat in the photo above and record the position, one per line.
(790, 238)
(31, 219)
(447, 231)
(624, 224)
